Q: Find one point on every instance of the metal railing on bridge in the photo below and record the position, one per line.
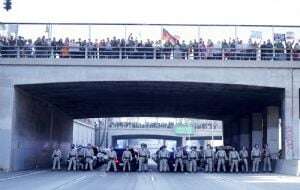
(64, 52)
(16, 41)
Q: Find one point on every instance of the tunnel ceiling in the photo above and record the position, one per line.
(165, 99)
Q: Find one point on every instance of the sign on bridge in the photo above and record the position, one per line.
(184, 129)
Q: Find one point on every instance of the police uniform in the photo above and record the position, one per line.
(126, 157)
(163, 156)
(185, 160)
(143, 159)
(267, 160)
(201, 158)
(209, 156)
(112, 156)
(88, 154)
(234, 159)
(56, 156)
(255, 156)
(178, 155)
(244, 157)
(221, 157)
(81, 160)
(193, 156)
(72, 155)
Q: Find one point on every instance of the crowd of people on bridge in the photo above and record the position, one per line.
(160, 125)
(181, 159)
(113, 48)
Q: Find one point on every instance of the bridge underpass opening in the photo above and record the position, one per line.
(44, 113)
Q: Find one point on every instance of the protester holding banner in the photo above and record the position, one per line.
(297, 51)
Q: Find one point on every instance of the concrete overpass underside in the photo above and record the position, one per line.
(163, 99)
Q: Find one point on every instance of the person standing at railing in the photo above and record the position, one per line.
(184, 50)
(209, 49)
(59, 45)
(239, 50)
(279, 50)
(122, 48)
(89, 49)
(148, 47)
(38, 47)
(289, 49)
(82, 46)
(232, 46)
(167, 49)
(225, 50)
(130, 46)
(195, 49)
(73, 48)
(115, 48)
(65, 49)
(202, 49)
(28, 49)
(158, 49)
(254, 50)
(269, 50)
(177, 51)
(296, 53)
(217, 51)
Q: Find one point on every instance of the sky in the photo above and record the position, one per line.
(156, 11)
(276, 12)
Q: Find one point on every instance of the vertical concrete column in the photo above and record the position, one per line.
(257, 133)
(183, 141)
(290, 123)
(272, 128)
(245, 132)
(6, 123)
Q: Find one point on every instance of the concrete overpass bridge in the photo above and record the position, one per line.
(39, 98)
(115, 134)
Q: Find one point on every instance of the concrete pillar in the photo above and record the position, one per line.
(290, 123)
(257, 133)
(6, 123)
(245, 132)
(272, 128)
(183, 141)
(290, 132)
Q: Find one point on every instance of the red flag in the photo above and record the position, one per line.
(169, 37)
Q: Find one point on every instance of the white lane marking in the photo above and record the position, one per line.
(22, 175)
(71, 182)
(152, 178)
(77, 180)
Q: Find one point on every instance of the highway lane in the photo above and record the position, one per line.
(48, 180)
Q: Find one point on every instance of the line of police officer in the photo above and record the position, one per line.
(83, 159)
(78, 158)
(209, 158)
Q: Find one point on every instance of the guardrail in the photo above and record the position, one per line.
(85, 52)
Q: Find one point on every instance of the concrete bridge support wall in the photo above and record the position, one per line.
(29, 130)
(272, 128)
(6, 113)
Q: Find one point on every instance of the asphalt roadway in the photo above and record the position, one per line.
(58, 180)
